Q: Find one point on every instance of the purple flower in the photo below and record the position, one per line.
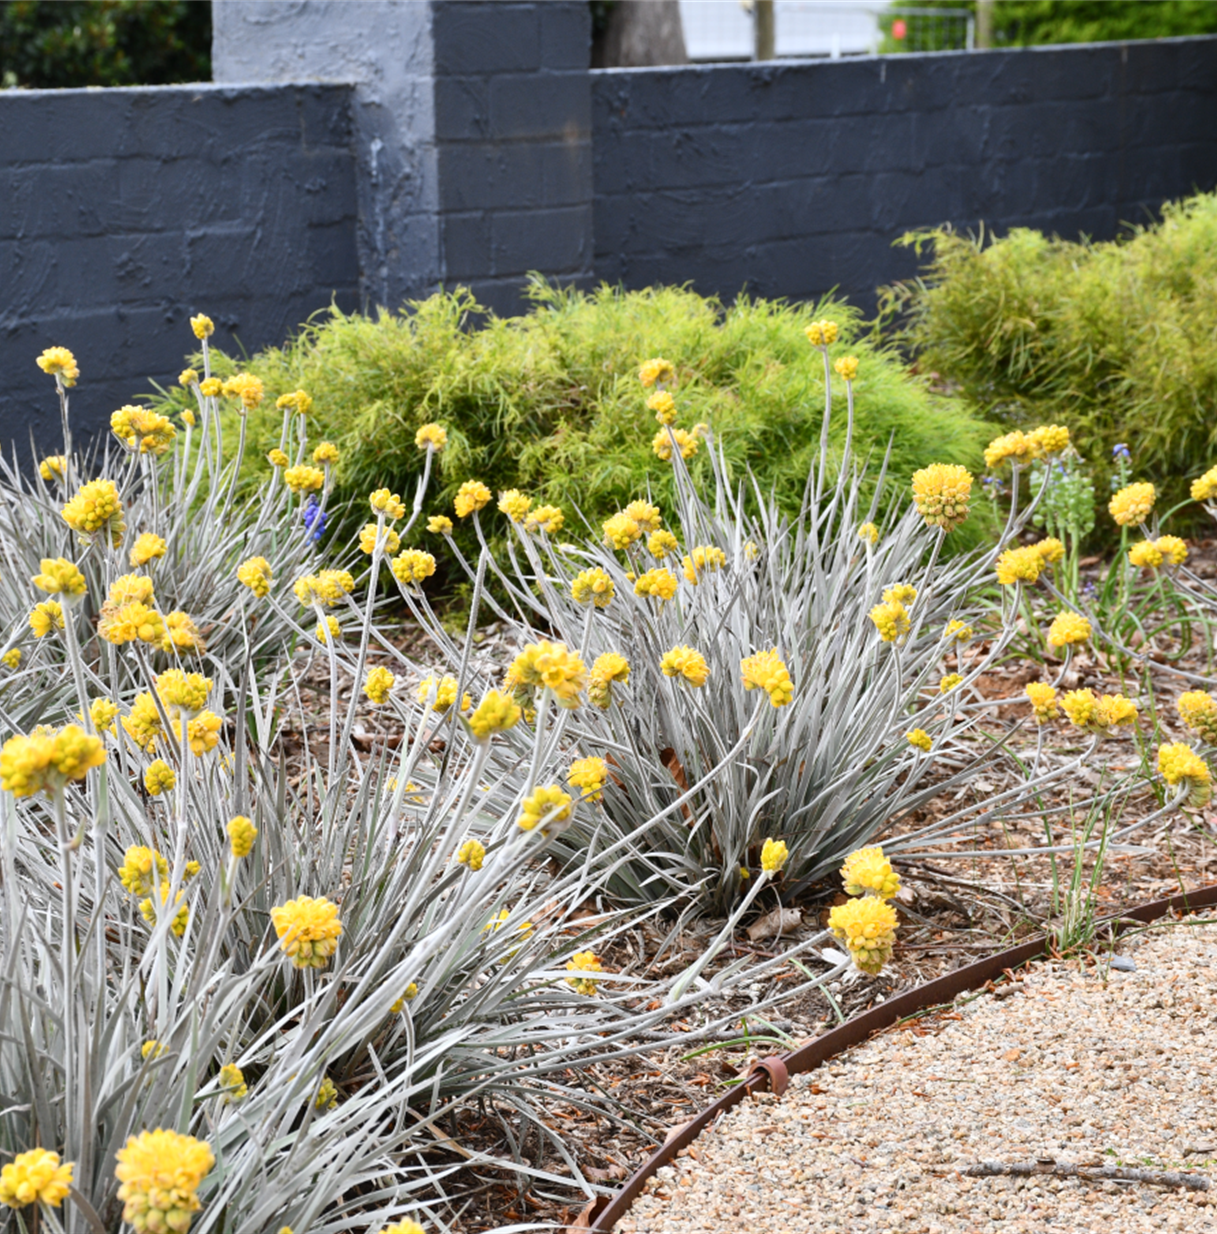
(1120, 450)
(314, 520)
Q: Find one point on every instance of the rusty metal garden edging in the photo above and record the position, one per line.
(772, 1074)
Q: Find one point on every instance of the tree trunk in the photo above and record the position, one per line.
(641, 33)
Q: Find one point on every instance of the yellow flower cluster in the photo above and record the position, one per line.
(308, 930)
(202, 326)
(960, 631)
(1042, 698)
(142, 431)
(232, 1084)
(400, 1227)
(547, 804)
(620, 531)
(765, 671)
(304, 479)
(472, 854)
(869, 533)
(1015, 447)
(247, 388)
(181, 691)
(546, 665)
(136, 872)
(705, 557)
(54, 466)
(580, 964)
(1098, 713)
(202, 732)
(900, 593)
(891, 620)
(1179, 766)
(326, 1096)
(662, 543)
(431, 437)
(687, 664)
(410, 994)
(277, 458)
(390, 504)
(658, 584)
(1049, 439)
(589, 776)
(147, 547)
(1198, 711)
(494, 714)
(60, 577)
(241, 836)
(847, 368)
(297, 401)
(1150, 554)
(656, 372)
(210, 387)
(12, 657)
(187, 378)
(96, 510)
(440, 694)
(47, 760)
(515, 504)
(687, 443)
(328, 631)
(773, 855)
(867, 927)
(1132, 505)
(471, 497)
(593, 587)
(45, 617)
(143, 724)
(326, 454)
(1203, 489)
(411, 566)
(159, 778)
(161, 1172)
(255, 573)
(919, 738)
(103, 713)
(868, 871)
(326, 587)
(59, 362)
(664, 407)
(949, 682)
(548, 519)
(1068, 629)
(609, 669)
(821, 333)
(35, 1177)
(1019, 565)
(941, 493)
(378, 684)
(439, 525)
(181, 913)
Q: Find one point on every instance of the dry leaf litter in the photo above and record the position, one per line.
(1080, 1063)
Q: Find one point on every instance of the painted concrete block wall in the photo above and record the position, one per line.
(791, 179)
(124, 211)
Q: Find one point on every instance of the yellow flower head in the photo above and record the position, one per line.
(656, 372)
(47, 760)
(59, 361)
(431, 437)
(687, 443)
(1049, 439)
(202, 326)
(610, 669)
(949, 682)
(202, 733)
(472, 854)
(60, 577)
(326, 454)
(1172, 548)
(1101, 714)
(255, 573)
(773, 855)
(960, 631)
(440, 694)
(181, 634)
(378, 684)
(297, 401)
(620, 531)
(900, 593)
(187, 378)
(304, 479)
(327, 587)
(232, 1084)
(277, 458)
(705, 557)
(1050, 550)
(687, 664)
(580, 964)
(1198, 711)
(550, 666)
(869, 532)
(514, 504)
(547, 805)
(868, 872)
(246, 387)
(765, 671)
(400, 1227)
(241, 836)
(593, 587)
(1179, 765)
(210, 387)
(1015, 447)
(439, 525)
(181, 910)
(96, 511)
(144, 725)
(161, 1172)
(1132, 504)
(1203, 489)
(1068, 629)
(390, 541)
(1019, 565)
(821, 333)
(146, 548)
(328, 631)
(867, 927)
(326, 1096)
(137, 870)
(659, 584)
(663, 405)
(159, 778)
(847, 368)
(891, 620)
(183, 692)
(142, 431)
(308, 930)
(471, 497)
(1043, 701)
(412, 566)
(12, 657)
(589, 776)
(45, 617)
(410, 994)
(645, 515)
(662, 543)
(53, 467)
(35, 1177)
(919, 738)
(495, 713)
(548, 519)
(188, 417)
(1145, 555)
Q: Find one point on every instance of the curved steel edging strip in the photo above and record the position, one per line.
(605, 1211)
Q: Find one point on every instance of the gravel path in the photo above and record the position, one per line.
(1074, 1065)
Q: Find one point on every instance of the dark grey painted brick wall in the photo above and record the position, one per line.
(122, 212)
(790, 179)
